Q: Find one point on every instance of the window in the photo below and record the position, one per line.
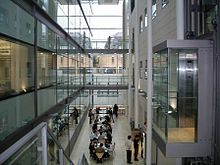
(154, 9)
(16, 68)
(145, 72)
(82, 59)
(164, 3)
(145, 17)
(141, 69)
(61, 60)
(132, 5)
(141, 24)
(113, 60)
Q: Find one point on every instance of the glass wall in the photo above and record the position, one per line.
(34, 77)
(16, 68)
(13, 24)
(175, 98)
(203, 20)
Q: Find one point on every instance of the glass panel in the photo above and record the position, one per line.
(46, 77)
(12, 22)
(46, 65)
(160, 95)
(109, 98)
(22, 106)
(62, 69)
(28, 154)
(46, 38)
(16, 68)
(60, 127)
(53, 151)
(175, 96)
(46, 99)
(50, 6)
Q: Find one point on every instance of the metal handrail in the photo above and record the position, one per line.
(42, 127)
(59, 145)
(83, 160)
(15, 147)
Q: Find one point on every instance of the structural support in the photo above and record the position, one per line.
(44, 144)
(136, 52)
(149, 82)
(180, 19)
(130, 67)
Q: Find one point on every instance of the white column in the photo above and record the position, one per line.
(149, 82)
(180, 19)
(129, 71)
(136, 67)
(44, 144)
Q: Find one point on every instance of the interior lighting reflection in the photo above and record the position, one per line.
(187, 69)
(23, 88)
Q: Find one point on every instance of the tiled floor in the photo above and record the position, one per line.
(120, 131)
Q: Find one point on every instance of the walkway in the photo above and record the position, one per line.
(120, 130)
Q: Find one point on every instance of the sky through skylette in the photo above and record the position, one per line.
(98, 21)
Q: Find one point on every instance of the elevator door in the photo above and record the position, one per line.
(187, 89)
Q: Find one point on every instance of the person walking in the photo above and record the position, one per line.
(128, 144)
(90, 116)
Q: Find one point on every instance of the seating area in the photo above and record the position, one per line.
(101, 146)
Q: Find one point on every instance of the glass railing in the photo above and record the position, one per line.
(107, 79)
(39, 146)
(167, 126)
(55, 151)
(95, 79)
(114, 44)
(26, 150)
(83, 160)
(160, 123)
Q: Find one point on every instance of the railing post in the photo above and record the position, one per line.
(44, 144)
(61, 157)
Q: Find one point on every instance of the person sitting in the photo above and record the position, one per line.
(94, 134)
(101, 136)
(109, 136)
(101, 129)
(92, 149)
(106, 154)
(99, 153)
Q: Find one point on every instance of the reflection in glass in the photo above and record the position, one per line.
(16, 68)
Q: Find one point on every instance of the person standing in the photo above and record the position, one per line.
(90, 116)
(115, 110)
(143, 134)
(111, 114)
(128, 144)
(136, 145)
(76, 115)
